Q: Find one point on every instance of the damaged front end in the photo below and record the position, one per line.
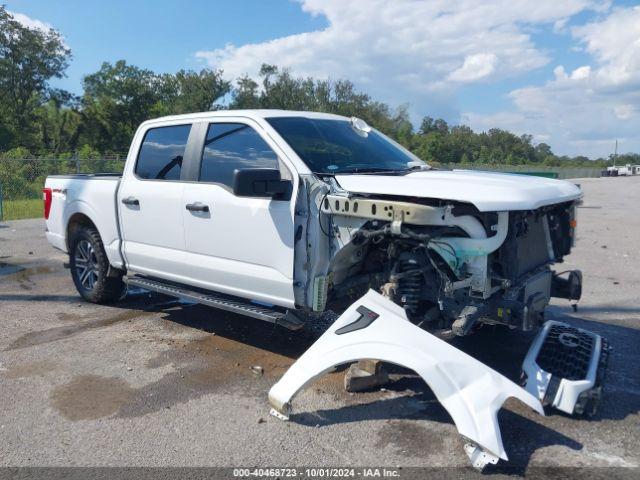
(422, 271)
(376, 328)
(450, 266)
(426, 255)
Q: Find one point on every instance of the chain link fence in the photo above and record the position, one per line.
(22, 179)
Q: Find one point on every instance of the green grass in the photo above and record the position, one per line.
(18, 209)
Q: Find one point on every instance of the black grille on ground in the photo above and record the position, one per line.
(566, 352)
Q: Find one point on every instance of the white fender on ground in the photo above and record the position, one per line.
(376, 328)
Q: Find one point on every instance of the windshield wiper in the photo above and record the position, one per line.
(376, 170)
(417, 168)
(370, 170)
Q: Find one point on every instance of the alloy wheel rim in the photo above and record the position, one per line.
(86, 264)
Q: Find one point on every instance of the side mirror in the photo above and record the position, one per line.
(261, 182)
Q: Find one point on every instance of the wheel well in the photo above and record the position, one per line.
(76, 221)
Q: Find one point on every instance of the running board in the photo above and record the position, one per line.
(217, 300)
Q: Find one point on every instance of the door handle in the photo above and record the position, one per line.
(197, 207)
(131, 201)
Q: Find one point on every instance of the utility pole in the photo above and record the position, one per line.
(615, 153)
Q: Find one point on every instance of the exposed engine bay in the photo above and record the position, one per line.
(450, 266)
(409, 272)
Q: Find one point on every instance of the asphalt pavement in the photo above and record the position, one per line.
(154, 382)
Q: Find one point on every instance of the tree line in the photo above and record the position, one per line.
(37, 120)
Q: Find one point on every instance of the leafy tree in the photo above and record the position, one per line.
(117, 98)
(60, 123)
(279, 89)
(542, 151)
(189, 91)
(246, 95)
(29, 58)
(429, 125)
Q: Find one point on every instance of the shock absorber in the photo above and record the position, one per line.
(409, 283)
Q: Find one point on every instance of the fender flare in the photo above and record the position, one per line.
(108, 233)
(470, 391)
(81, 206)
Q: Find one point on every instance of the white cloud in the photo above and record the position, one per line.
(404, 50)
(425, 52)
(34, 23)
(615, 44)
(475, 67)
(624, 112)
(581, 73)
(31, 22)
(587, 110)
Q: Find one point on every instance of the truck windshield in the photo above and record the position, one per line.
(337, 146)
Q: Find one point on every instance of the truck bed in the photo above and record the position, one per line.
(89, 176)
(88, 196)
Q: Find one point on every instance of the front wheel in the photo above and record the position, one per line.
(90, 268)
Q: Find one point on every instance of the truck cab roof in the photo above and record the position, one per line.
(256, 114)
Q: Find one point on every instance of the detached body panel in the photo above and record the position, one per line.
(565, 368)
(470, 391)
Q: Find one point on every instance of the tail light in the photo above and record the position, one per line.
(47, 197)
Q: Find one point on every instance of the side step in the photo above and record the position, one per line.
(237, 305)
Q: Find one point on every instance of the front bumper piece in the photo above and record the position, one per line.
(376, 328)
(565, 368)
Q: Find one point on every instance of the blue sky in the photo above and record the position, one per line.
(161, 35)
(566, 72)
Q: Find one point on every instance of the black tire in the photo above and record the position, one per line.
(90, 268)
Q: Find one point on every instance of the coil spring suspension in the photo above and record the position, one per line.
(409, 284)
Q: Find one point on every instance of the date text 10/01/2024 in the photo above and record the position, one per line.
(317, 472)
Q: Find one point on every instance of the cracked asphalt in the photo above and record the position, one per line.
(154, 382)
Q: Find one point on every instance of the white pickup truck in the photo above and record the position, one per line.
(283, 215)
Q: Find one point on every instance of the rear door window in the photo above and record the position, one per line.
(162, 152)
(231, 146)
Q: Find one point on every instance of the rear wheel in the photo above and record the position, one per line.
(90, 268)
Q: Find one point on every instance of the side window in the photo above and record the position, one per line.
(230, 146)
(160, 156)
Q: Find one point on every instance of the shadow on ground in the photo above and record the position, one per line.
(525, 436)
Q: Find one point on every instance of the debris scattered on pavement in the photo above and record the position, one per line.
(257, 369)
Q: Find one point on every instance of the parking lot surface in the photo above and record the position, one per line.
(153, 382)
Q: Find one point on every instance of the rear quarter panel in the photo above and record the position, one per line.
(94, 197)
